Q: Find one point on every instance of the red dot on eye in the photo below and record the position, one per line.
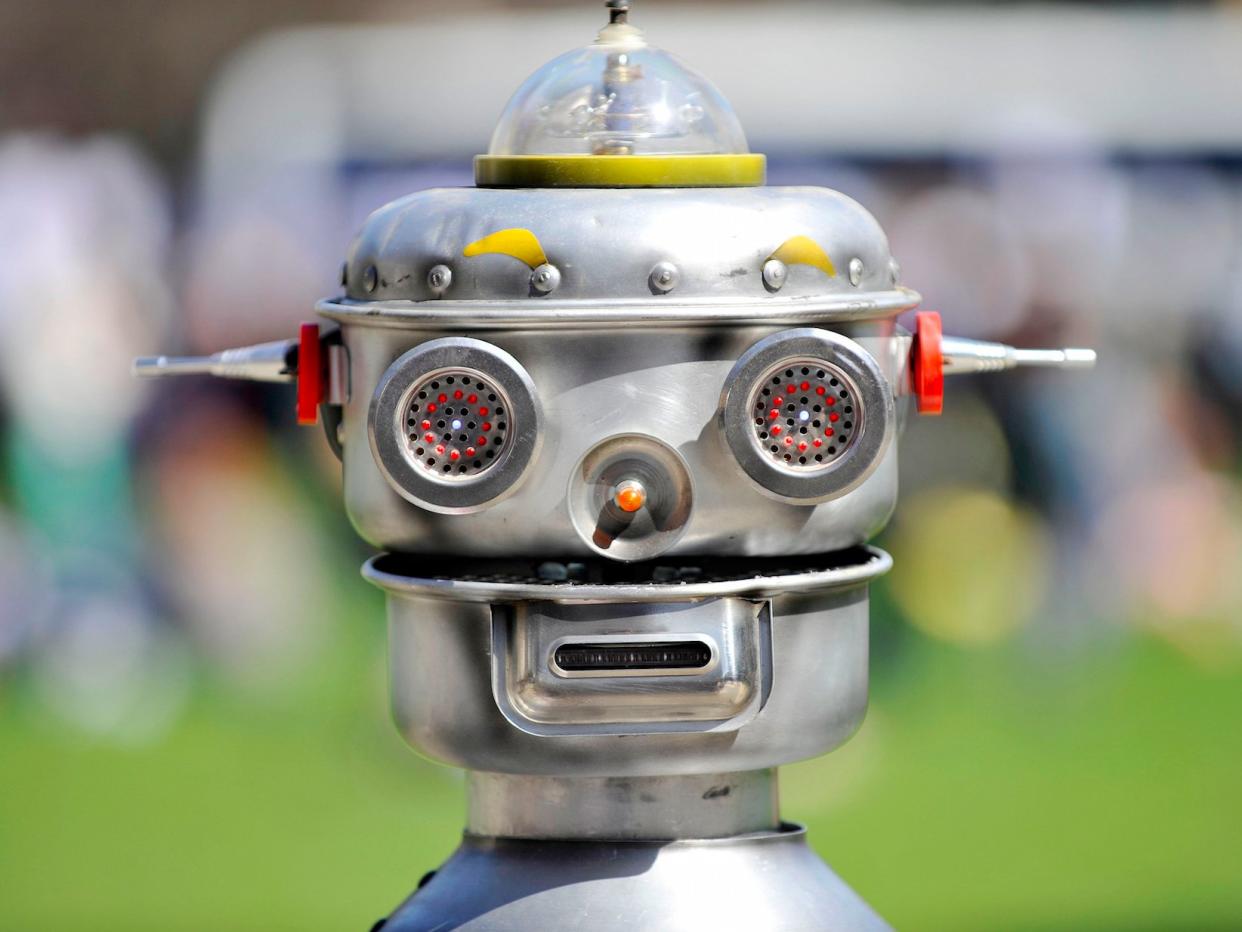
(483, 412)
(470, 451)
(789, 441)
(802, 447)
(472, 399)
(773, 414)
(432, 407)
(487, 425)
(806, 385)
(430, 438)
(440, 448)
(454, 455)
(426, 425)
(777, 400)
(459, 394)
(828, 432)
(481, 442)
(833, 416)
(831, 400)
(817, 442)
(820, 390)
(776, 430)
(443, 398)
(790, 389)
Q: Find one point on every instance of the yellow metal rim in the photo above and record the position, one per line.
(620, 171)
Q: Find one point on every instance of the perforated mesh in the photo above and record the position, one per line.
(457, 423)
(804, 414)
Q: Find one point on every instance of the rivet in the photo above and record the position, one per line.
(664, 277)
(545, 278)
(370, 278)
(439, 278)
(774, 274)
(894, 270)
(856, 271)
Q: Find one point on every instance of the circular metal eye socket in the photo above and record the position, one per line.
(454, 424)
(807, 415)
(804, 414)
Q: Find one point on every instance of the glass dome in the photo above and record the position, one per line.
(617, 96)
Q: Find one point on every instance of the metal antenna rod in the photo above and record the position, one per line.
(618, 10)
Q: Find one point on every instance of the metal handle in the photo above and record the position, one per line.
(263, 362)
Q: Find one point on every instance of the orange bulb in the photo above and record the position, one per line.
(630, 497)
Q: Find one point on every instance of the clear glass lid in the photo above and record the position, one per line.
(617, 96)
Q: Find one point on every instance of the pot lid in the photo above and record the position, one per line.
(618, 113)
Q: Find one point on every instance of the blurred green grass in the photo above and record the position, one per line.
(988, 789)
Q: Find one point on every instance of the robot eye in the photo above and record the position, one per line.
(807, 415)
(454, 424)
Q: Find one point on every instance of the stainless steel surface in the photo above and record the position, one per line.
(539, 697)
(263, 362)
(594, 385)
(964, 356)
(756, 881)
(710, 805)
(673, 312)
(638, 463)
(758, 579)
(437, 448)
(604, 243)
(757, 442)
(445, 667)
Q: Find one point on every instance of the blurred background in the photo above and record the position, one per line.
(193, 722)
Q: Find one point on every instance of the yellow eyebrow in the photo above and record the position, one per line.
(802, 250)
(516, 242)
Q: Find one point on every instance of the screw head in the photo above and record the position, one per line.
(545, 278)
(664, 277)
(774, 274)
(856, 271)
(439, 278)
(370, 278)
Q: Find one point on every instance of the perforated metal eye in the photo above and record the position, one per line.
(804, 414)
(454, 424)
(807, 415)
(457, 422)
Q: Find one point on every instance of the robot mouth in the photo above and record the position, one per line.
(616, 657)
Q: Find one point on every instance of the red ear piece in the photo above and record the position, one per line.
(927, 362)
(310, 374)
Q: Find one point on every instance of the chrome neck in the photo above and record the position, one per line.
(622, 808)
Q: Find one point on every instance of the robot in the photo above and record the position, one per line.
(621, 420)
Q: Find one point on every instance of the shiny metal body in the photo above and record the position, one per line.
(592, 386)
(660, 293)
(472, 686)
(606, 242)
(767, 880)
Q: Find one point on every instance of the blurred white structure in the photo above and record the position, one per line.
(865, 79)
